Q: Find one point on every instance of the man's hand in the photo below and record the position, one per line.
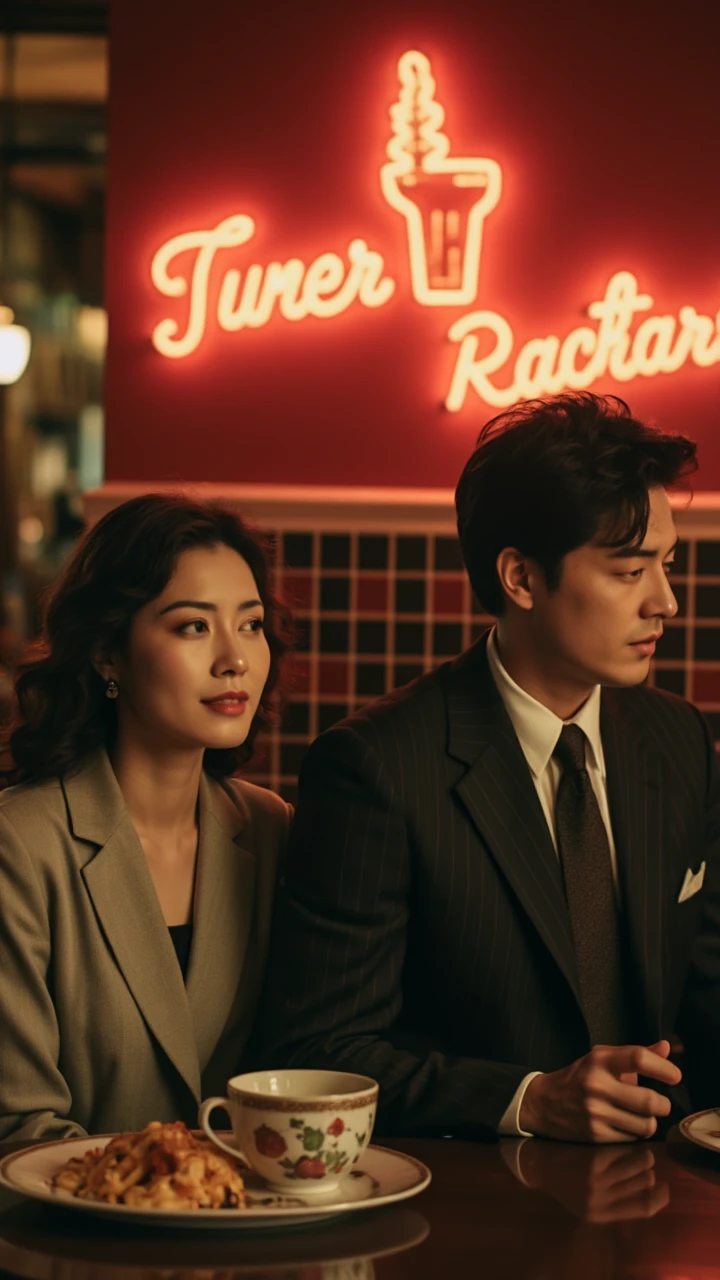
(598, 1099)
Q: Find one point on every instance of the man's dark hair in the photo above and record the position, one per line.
(550, 475)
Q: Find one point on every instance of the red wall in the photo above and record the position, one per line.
(602, 116)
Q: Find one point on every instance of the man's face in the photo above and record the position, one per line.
(600, 625)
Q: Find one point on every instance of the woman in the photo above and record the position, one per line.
(137, 875)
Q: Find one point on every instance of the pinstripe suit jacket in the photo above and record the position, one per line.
(422, 935)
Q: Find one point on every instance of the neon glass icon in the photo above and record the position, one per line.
(445, 199)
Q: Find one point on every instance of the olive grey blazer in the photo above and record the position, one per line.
(98, 1032)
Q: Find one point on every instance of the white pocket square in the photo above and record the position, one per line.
(692, 884)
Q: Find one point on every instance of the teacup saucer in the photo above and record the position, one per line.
(381, 1177)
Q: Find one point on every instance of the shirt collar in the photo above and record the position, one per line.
(538, 728)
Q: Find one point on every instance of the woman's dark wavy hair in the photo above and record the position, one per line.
(127, 559)
(550, 475)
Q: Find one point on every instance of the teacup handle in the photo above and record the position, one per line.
(206, 1109)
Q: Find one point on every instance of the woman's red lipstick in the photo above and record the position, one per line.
(231, 703)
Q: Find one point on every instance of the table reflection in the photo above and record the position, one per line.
(42, 1243)
(598, 1185)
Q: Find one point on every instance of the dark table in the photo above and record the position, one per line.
(507, 1210)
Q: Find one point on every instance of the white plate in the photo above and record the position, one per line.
(381, 1177)
(703, 1128)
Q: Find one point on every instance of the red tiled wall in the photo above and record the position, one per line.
(376, 610)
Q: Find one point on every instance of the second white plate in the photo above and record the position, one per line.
(703, 1128)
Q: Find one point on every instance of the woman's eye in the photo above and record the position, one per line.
(194, 628)
(253, 625)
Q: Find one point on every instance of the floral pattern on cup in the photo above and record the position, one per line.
(320, 1151)
(269, 1142)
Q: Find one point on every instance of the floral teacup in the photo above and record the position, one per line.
(300, 1130)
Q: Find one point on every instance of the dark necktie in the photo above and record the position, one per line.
(587, 873)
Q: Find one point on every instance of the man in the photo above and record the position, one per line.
(503, 895)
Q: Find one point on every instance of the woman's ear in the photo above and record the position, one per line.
(515, 573)
(104, 666)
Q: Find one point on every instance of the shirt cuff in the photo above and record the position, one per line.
(509, 1125)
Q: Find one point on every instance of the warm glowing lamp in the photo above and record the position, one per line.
(14, 348)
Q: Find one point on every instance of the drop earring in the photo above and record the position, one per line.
(111, 689)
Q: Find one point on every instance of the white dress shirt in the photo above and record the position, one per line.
(538, 730)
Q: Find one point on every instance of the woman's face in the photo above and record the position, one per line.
(197, 658)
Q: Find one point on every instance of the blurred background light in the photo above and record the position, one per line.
(14, 348)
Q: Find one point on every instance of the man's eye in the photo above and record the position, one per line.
(632, 573)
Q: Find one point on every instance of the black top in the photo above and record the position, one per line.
(181, 938)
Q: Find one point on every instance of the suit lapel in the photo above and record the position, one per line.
(499, 795)
(126, 904)
(128, 912)
(635, 796)
(224, 901)
(187, 1023)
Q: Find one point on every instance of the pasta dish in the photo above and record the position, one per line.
(163, 1167)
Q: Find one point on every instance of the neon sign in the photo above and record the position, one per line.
(445, 201)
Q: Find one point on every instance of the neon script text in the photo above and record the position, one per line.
(325, 288)
(660, 344)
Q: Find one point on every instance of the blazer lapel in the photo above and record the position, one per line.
(224, 908)
(635, 795)
(123, 895)
(499, 794)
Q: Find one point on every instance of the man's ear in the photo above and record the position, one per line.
(516, 573)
